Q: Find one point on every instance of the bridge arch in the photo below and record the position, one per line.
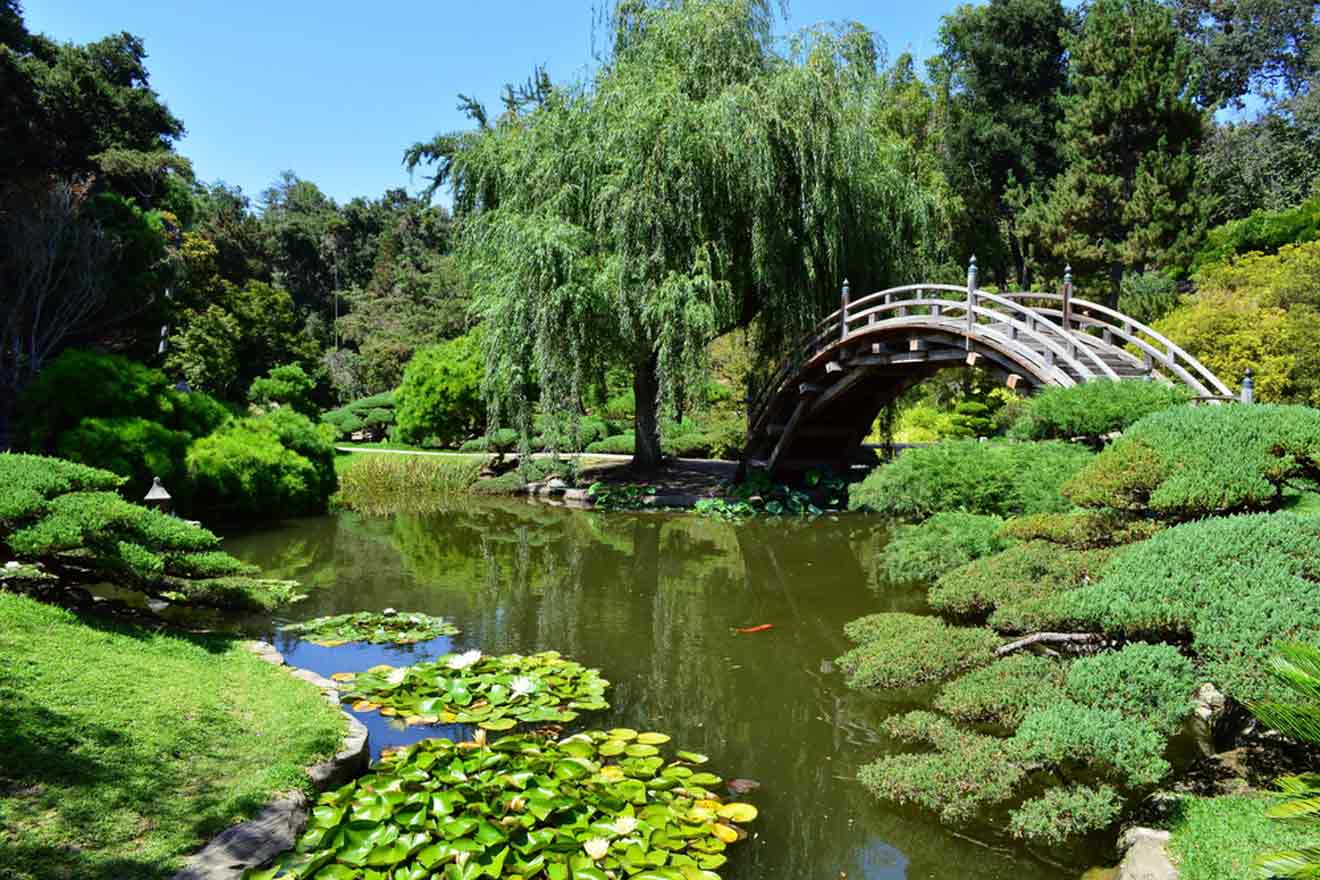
(821, 403)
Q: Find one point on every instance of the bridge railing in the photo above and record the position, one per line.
(1158, 351)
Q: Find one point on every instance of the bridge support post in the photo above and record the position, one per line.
(971, 300)
(843, 311)
(1249, 387)
(1067, 298)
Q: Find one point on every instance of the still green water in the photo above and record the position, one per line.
(653, 600)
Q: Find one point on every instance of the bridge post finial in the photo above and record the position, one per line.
(1067, 298)
(971, 302)
(844, 297)
(1249, 386)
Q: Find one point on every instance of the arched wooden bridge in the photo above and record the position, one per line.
(822, 402)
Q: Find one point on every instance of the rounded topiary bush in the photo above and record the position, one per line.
(1194, 462)
(1093, 409)
(1002, 479)
(441, 393)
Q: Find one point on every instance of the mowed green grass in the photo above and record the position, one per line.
(123, 750)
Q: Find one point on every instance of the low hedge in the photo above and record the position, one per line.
(1093, 409)
(905, 650)
(1236, 585)
(1193, 462)
(1001, 479)
(942, 543)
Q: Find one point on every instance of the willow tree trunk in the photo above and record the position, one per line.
(646, 421)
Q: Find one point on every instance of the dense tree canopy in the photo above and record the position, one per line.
(701, 181)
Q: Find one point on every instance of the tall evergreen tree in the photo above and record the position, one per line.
(1002, 70)
(1129, 137)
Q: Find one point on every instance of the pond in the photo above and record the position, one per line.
(654, 601)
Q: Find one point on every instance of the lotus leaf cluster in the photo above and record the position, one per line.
(494, 693)
(373, 627)
(589, 807)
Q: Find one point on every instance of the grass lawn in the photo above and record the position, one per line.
(123, 750)
(1216, 838)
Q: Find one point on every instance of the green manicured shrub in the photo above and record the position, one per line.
(1147, 296)
(285, 385)
(272, 465)
(67, 518)
(1093, 409)
(109, 412)
(1082, 529)
(905, 650)
(1070, 735)
(501, 440)
(1020, 588)
(942, 543)
(1004, 479)
(1150, 682)
(1237, 585)
(619, 444)
(1063, 813)
(1192, 462)
(441, 396)
(372, 415)
(1005, 691)
(968, 771)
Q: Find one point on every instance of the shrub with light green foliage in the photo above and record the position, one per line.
(1147, 296)
(1019, 589)
(1093, 409)
(440, 396)
(286, 386)
(109, 412)
(1081, 529)
(68, 518)
(619, 444)
(1005, 691)
(1193, 462)
(981, 770)
(1003, 479)
(946, 541)
(1073, 736)
(272, 465)
(373, 415)
(1063, 813)
(1237, 585)
(905, 650)
(1150, 682)
(1262, 231)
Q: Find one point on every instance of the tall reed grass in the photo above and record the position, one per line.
(380, 484)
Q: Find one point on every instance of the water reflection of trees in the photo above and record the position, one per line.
(652, 600)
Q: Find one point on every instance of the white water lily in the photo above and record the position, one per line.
(522, 686)
(625, 825)
(597, 847)
(464, 660)
(12, 565)
(396, 677)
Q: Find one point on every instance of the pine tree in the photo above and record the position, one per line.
(1129, 136)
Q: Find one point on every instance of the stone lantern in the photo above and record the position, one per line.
(157, 497)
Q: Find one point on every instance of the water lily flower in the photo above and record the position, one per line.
(625, 825)
(396, 677)
(464, 660)
(522, 686)
(12, 565)
(597, 847)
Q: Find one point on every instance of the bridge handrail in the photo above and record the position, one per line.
(1131, 330)
(1060, 343)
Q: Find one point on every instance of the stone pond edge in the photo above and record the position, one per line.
(276, 828)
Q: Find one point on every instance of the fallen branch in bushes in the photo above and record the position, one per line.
(1048, 638)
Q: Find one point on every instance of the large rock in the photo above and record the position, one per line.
(1145, 855)
(1208, 718)
(249, 845)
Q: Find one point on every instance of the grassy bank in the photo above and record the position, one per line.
(1216, 838)
(123, 750)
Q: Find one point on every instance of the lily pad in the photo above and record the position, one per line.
(373, 627)
(495, 692)
(518, 806)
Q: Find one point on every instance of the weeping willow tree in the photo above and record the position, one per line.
(700, 182)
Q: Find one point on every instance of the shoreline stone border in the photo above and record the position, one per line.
(557, 492)
(276, 828)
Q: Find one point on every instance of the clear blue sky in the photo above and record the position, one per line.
(336, 91)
